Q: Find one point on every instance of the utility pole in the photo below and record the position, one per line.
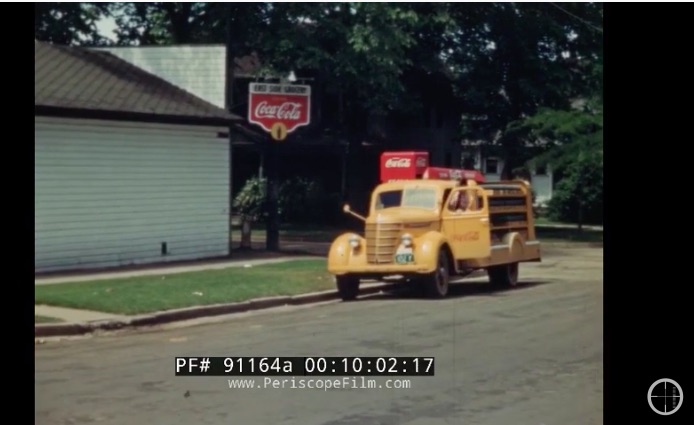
(272, 241)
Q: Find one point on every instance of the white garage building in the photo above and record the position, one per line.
(129, 169)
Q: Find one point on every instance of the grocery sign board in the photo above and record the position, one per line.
(279, 108)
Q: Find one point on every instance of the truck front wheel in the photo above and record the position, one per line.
(436, 284)
(347, 287)
(505, 275)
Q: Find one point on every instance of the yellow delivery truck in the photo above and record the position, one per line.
(439, 224)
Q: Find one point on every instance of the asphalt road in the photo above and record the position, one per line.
(529, 356)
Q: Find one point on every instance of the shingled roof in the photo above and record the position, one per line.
(80, 82)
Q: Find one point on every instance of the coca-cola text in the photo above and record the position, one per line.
(285, 111)
(398, 163)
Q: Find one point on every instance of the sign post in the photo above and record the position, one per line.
(279, 109)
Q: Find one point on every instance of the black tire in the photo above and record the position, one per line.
(503, 276)
(347, 287)
(436, 284)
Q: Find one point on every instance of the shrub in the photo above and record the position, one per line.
(299, 200)
(250, 201)
(581, 189)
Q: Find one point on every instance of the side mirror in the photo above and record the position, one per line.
(347, 210)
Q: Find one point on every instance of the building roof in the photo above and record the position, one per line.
(201, 69)
(81, 82)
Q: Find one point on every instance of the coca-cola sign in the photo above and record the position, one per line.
(398, 162)
(279, 106)
(403, 165)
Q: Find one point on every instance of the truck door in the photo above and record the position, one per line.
(465, 222)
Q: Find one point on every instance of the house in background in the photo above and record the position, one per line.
(541, 178)
(129, 168)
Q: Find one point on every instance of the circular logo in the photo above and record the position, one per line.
(278, 131)
(665, 396)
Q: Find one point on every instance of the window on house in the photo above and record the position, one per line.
(491, 166)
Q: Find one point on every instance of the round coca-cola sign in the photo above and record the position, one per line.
(273, 106)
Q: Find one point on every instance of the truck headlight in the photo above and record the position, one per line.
(354, 241)
(406, 240)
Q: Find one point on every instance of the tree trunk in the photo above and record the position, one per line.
(272, 240)
(245, 232)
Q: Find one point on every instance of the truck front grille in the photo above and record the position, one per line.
(381, 242)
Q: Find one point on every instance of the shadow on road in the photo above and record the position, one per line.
(457, 290)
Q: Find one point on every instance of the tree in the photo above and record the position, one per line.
(69, 23)
(507, 59)
(513, 59)
(572, 143)
(358, 54)
(162, 23)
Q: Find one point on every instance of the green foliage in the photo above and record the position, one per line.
(250, 201)
(161, 23)
(359, 52)
(571, 143)
(515, 58)
(69, 23)
(575, 150)
(566, 134)
(300, 200)
(578, 197)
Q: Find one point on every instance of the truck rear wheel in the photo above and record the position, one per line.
(347, 287)
(436, 284)
(503, 276)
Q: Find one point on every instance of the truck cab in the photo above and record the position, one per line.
(434, 225)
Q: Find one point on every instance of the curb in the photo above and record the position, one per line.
(73, 329)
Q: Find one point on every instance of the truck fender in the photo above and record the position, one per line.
(340, 251)
(515, 243)
(427, 248)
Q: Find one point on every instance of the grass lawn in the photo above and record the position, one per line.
(46, 319)
(156, 293)
(545, 220)
(568, 235)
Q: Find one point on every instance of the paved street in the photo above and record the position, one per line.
(528, 356)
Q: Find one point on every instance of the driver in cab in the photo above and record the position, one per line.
(459, 202)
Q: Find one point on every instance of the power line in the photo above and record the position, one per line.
(577, 17)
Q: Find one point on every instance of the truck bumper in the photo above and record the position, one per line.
(381, 270)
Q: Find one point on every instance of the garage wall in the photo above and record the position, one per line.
(111, 194)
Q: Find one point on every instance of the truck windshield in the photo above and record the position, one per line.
(411, 197)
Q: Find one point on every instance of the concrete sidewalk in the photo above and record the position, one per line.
(74, 315)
